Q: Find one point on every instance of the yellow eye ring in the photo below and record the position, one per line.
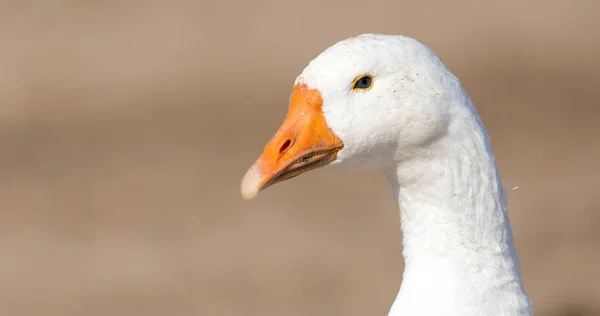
(364, 82)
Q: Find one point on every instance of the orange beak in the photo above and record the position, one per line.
(302, 143)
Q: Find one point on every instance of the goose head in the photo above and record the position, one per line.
(367, 102)
(388, 103)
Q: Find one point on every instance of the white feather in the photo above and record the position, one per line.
(420, 128)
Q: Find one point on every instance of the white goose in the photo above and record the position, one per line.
(388, 103)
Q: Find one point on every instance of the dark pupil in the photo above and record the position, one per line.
(364, 82)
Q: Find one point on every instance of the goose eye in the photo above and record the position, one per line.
(363, 83)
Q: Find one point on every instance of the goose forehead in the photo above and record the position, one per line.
(335, 68)
(341, 63)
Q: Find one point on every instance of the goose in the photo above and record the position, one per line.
(388, 103)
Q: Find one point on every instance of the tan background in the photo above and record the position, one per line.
(126, 127)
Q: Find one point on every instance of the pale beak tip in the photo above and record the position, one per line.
(249, 194)
(251, 183)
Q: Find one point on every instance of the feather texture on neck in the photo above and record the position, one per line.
(458, 246)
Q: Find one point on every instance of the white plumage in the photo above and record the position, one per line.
(417, 125)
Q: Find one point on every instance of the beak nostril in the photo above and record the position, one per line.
(285, 146)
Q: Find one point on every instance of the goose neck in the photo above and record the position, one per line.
(458, 246)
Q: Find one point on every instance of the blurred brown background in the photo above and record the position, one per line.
(126, 127)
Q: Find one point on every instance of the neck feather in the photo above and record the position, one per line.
(459, 253)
